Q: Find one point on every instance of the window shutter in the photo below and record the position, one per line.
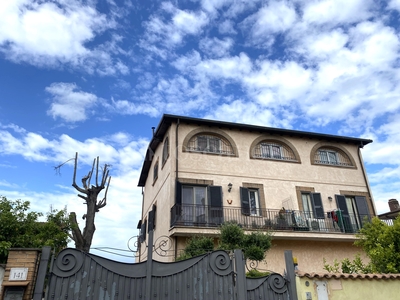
(178, 193)
(152, 217)
(317, 204)
(215, 194)
(345, 223)
(362, 208)
(341, 204)
(176, 211)
(245, 202)
(216, 210)
(142, 236)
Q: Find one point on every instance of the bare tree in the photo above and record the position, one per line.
(83, 241)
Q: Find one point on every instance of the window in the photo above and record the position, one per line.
(332, 157)
(165, 154)
(209, 144)
(354, 210)
(273, 150)
(250, 201)
(155, 171)
(312, 205)
(199, 205)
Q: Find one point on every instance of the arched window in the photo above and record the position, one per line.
(332, 156)
(270, 149)
(165, 153)
(209, 143)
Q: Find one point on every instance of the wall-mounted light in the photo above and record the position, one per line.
(229, 187)
(330, 198)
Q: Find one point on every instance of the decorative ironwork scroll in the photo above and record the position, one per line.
(68, 262)
(251, 264)
(277, 283)
(162, 245)
(220, 263)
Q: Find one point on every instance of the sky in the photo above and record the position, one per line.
(93, 77)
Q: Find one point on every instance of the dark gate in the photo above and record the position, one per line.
(78, 275)
(216, 275)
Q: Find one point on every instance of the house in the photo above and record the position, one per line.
(394, 211)
(309, 189)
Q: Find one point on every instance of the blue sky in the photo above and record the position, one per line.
(94, 76)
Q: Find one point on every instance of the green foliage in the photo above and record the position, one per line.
(21, 228)
(196, 246)
(254, 273)
(232, 236)
(355, 266)
(254, 245)
(381, 242)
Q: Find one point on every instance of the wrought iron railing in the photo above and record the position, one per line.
(265, 219)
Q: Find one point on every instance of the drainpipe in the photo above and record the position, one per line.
(176, 173)
(139, 246)
(366, 178)
(176, 151)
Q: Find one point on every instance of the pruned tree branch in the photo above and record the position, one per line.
(76, 232)
(83, 240)
(58, 168)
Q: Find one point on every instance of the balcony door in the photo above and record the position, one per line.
(198, 205)
(194, 204)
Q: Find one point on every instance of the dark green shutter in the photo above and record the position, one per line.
(216, 209)
(178, 193)
(245, 201)
(346, 222)
(176, 210)
(362, 208)
(142, 236)
(317, 204)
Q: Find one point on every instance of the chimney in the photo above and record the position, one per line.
(394, 204)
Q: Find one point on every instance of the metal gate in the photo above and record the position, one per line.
(216, 275)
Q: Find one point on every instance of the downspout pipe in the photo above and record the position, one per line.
(176, 173)
(366, 179)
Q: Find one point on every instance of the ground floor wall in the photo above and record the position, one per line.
(345, 286)
(310, 254)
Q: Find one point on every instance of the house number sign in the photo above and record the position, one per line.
(18, 273)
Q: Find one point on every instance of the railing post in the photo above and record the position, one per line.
(290, 275)
(239, 269)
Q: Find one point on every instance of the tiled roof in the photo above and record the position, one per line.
(346, 276)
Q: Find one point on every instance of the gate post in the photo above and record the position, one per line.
(149, 263)
(41, 273)
(239, 269)
(290, 275)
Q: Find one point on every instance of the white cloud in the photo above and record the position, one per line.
(53, 33)
(337, 11)
(394, 4)
(170, 33)
(35, 147)
(215, 47)
(69, 103)
(277, 17)
(227, 27)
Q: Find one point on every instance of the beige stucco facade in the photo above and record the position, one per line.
(279, 184)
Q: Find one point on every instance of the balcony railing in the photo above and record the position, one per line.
(266, 219)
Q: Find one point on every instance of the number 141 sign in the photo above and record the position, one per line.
(18, 273)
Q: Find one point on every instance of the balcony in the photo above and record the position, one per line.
(266, 219)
